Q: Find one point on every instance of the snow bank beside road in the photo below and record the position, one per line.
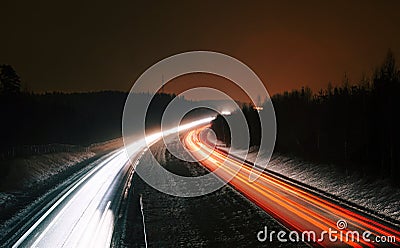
(378, 196)
(24, 172)
(5, 197)
(26, 178)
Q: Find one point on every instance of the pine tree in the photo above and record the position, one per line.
(10, 82)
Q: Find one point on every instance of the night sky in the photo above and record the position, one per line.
(104, 45)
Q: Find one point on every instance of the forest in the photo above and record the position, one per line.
(48, 119)
(354, 126)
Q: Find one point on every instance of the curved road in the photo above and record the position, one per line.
(84, 215)
(298, 209)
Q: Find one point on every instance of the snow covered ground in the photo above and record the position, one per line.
(6, 197)
(25, 172)
(28, 176)
(32, 170)
(378, 196)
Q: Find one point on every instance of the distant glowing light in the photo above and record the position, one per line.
(258, 108)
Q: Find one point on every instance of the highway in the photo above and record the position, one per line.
(298, 209)
(84, 215)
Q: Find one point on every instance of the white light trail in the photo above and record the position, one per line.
(84, 216)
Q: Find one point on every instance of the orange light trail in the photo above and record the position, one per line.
(296, 208)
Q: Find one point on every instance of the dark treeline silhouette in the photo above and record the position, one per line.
(353, 125)
(223, 132)
(64, 118)
(76, 118)
(10, 82)
(79, 118)
(221, 129)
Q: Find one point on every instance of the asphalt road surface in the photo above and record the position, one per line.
(295, 207)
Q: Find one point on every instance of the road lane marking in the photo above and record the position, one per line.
(144, 225)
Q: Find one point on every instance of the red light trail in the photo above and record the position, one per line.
(296, 208)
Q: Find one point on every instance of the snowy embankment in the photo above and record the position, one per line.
(27, 173)
(377, 196)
